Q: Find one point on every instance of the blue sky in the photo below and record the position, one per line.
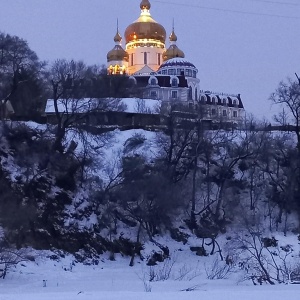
(239, 46)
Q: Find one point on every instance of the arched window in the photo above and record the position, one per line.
(213, 101)
(174, 82)
(234, 102)
(224, 101)
(196, 94)
(153, 81)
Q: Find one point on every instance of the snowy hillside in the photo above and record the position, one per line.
(141, 214)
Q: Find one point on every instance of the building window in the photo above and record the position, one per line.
(180, 72)
(158, 59)
(172, 72)
(153, 81)
(224, 113)
(145, 58)
(213, 100)
(196, 94)
(164, 72)
(188, 73)
(190, 93)
(213, 112)
(194, 74)
(235, 114)
(234, 102)
(203, 99)
(174, 94)
(153, 95)
(174, 82)
(224, 101)
(131, 60)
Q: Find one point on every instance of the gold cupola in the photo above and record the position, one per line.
(145, 27)
(117, 53)
(173, 51)
(117, 58)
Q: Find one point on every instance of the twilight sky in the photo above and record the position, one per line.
(239, 46)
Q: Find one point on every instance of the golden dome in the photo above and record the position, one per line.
(145, 27)
(172, 52)
(117, 54)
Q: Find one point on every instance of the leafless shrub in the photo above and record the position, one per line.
(183, 272)
(10, 257)
(162, 271)
(219, 270)
(187, 272)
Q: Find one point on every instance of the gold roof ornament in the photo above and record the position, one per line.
(117, 53)
(145, 27)
(173, 51)
(145, 4)
(173, 37)
(118, 38)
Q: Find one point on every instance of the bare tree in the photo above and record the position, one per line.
(288, 96)
(69, 82)
(20, 75)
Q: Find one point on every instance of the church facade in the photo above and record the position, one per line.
(164, 73)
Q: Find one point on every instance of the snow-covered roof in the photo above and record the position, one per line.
(177, 61)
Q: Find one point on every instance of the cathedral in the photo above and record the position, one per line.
(164, 73)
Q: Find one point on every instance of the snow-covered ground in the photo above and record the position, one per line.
(113, 280)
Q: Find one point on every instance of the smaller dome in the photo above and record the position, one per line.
(118, 38)
(173, 37)
(117, 54)
(172, 52)
(145, 4)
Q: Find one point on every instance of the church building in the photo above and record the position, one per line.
(164, 73)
